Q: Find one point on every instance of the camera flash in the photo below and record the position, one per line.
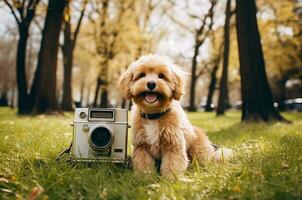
(83, 115)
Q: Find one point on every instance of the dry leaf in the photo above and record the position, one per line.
(35, 193)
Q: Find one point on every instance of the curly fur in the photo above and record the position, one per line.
(171, 138)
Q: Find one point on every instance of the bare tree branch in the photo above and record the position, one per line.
(12, 11)
(38, 25)
(77, 29)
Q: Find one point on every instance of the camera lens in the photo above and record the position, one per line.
(101, 138)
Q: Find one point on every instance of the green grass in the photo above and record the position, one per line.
(268, 164)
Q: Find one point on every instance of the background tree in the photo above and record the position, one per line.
(70, 38)
(116, 34)
(223, 87)
(24, 13)
(280, 31)
(8, 71)
(200, 36)
(213, 75)
(256, 94)
(43, 91)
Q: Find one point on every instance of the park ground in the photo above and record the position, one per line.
(268, 163)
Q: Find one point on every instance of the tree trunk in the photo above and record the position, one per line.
(3, 98)
(257, 100)
(82, 92)
(280, 92)
(104, 98)
(13, 96)
(88, 104)
(192, 106)
(124, 102)
(211, 89)
(97, 90)
(223, 88)
(23, 103)
(68, 48)
(43, 93)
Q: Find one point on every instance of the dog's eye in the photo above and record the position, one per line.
(141, 75)
(161, 75)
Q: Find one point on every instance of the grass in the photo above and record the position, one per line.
(268, 164)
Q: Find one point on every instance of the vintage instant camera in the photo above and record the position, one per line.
(100, 135)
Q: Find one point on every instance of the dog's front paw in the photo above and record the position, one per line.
(142, 161)
(173, 164)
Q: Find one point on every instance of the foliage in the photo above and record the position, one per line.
(279, 25)
(268, 163)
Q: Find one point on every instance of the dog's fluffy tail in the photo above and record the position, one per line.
(222, 153)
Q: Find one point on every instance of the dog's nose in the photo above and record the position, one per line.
(151, 85)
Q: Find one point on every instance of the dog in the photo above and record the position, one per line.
(160, 127)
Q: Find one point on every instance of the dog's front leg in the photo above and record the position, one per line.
(142, 160)
(174, 162)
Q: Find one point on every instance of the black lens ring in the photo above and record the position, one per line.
(108, 144)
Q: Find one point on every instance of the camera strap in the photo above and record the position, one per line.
(66, 151)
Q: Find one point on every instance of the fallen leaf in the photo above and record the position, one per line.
(35, 193)
(236, 188)
(285, 166)
(13, 178)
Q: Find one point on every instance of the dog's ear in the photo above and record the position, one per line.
(180, 78)
(124, 84)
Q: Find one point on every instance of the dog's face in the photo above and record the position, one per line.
(152, 84)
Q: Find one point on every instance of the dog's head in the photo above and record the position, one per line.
(152, 82)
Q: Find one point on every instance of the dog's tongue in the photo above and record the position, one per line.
(150, 98)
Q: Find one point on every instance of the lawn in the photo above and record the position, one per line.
(268, 163)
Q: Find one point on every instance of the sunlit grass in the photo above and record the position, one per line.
(268, 164)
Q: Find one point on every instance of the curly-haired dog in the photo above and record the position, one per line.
(160, 127)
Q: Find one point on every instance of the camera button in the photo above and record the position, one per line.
(86, 128)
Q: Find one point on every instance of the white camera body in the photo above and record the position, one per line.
(100, 134)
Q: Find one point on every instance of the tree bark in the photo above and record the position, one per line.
(223, 88)
(70, 39)
(97, 90)
(23, 103)
(211, 89)
(23, 14)
(104, 98)
(68, 48)
(192, 106)
(124, 102)
(3, 98)
(13, 96)
(82, 92)
(43, 92)
(257, 100)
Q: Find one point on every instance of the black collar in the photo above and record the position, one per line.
(154, 115)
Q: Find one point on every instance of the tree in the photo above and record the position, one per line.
(200, 35)
(70, 38)
(7, 63)
(223, 87)
(257, 100)
(116, 34)
(284, 62)
(43, 91)
(24, 13)
(213, 81)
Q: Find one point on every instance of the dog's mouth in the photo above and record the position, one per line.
(150, 97)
